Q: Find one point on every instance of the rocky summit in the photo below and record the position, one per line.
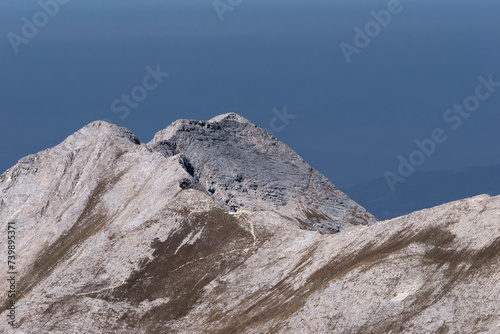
(217, 227)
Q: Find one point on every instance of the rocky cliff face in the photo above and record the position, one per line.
(117, 236)
(241, 165)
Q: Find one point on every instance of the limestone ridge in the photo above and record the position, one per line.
(68, 172)
(118, 236)
(228, 157)
(242, 165)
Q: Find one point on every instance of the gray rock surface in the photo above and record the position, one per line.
(116, 236)
(240, 164)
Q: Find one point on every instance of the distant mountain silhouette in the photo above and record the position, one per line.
(424, 190)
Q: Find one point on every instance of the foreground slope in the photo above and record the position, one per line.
(116, 236)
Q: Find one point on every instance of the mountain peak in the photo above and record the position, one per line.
(199, 229)
(231, 160)
(103, 129)
(241, 165)
(220, 122)
(230, 116)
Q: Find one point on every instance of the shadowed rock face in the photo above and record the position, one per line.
(240, 164)
(115, 236)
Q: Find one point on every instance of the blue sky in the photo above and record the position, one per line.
(352, 120)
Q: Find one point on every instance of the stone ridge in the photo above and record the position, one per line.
(103, 127)
(115, 237)
(97, 133)
(230, 116)
(230, 159)
(242, 165)
(96, 137)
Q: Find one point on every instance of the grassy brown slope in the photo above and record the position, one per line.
(88, 224)
(180, 273)
(282, 301)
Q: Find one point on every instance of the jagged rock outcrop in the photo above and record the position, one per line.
(240, 164)
(117, 236)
